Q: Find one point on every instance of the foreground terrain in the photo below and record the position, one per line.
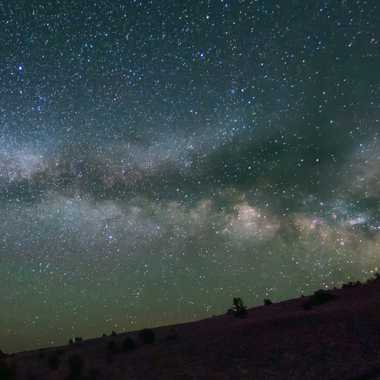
(329, 337)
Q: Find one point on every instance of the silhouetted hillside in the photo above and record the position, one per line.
(331, 334)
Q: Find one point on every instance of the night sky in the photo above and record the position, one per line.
(158, 158)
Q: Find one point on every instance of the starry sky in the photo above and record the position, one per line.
(158, 158)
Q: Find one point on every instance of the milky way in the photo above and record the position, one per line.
(159, 158)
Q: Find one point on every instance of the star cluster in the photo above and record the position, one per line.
(158, 158)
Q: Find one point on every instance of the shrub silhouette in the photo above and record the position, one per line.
(76, 365)
(351, 284)
(77, 339)
(54, 361)
(129, 344)
(238, 309)
(113, 333)
(319, 297)
(267, 302)
(147, 336)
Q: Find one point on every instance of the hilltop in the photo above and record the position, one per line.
(334, 334)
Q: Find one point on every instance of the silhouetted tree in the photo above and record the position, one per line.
(319, 297)
(267, 302)
(348, 285)
(238, 309)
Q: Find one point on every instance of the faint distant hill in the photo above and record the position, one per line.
(330, 335)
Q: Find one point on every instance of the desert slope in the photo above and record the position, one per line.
(339, 339)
